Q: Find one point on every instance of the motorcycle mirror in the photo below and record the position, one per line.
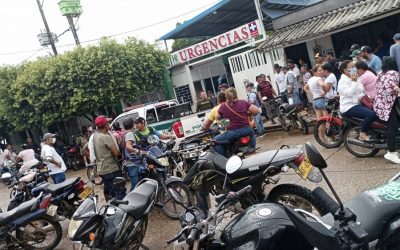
(110, 211)
(233, 164)
(315, 157)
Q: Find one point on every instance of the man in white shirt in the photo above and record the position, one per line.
(281, 82)
(55, 163)
(293, 77)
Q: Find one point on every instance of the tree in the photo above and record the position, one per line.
(52, 89)
(181, 43)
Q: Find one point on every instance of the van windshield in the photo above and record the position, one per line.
(120, 119)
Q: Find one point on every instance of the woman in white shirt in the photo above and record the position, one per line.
(28, 158)
(317, 87)
(350, 92)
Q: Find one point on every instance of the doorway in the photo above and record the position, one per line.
(298, 52)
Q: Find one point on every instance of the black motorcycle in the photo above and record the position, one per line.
(29, 226)
(209, 176)
(120, 224)
(377, 142)
(200, 232)
(370, 220)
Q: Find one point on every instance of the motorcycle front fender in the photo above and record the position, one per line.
(173, 179)
(333, 119)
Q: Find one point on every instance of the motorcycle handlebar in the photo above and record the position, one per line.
(192, 237)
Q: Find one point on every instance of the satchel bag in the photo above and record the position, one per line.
(367, 102)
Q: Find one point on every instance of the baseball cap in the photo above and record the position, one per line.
(101, 120)
(354, 47)
(355, 53)
(396, 37)
(366, 49)
(47, 136)
(223, 85)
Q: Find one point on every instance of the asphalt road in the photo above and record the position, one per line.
(348, 174)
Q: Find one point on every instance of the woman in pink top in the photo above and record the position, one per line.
(367, 79)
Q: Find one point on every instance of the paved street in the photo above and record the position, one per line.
(348, 174)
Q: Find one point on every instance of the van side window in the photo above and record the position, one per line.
(151, 116)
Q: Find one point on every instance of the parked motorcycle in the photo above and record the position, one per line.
(30, 226)
(370, 220)
(74, 157)
(329, 130)
(378, 139)
(201, 232)
(120, 224)
(157, 165)
(208, 176)
(66, 196)
(290, 116)
(8, 172)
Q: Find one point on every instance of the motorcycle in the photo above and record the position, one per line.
(208, 176)
(74, 158)
(8, 172)
(329, 130)
(370, 220)
(30, 226)
(157, 165)
(201, 232)
(120, 224)
(377, 142)
(66, 196)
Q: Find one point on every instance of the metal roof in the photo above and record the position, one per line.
(328, 22)
(229, 14)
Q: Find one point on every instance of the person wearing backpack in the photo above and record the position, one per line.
(252, 98)
(265, 89)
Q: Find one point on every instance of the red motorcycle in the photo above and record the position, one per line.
(74, 158)
(329, 130)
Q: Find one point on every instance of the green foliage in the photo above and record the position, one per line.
(181, 43)
(79, 82)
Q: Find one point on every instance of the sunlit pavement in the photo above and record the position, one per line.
(349, 175)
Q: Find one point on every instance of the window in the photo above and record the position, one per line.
(121, 119)
(151, 116)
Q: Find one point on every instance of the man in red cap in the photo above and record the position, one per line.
(106, 151)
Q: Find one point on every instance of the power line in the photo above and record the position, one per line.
(114, 35)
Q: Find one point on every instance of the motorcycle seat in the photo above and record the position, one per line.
(262, 159)
(24, 208)
(359, 121)
(58, 188)
(140, 200)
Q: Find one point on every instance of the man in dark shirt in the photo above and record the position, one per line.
(265, 89)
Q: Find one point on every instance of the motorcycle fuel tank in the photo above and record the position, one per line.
(263, 226)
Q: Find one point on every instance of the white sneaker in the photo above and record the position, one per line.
(393, 157)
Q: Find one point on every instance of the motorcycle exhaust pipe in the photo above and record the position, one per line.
(366, 145)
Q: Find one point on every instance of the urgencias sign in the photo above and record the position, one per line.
(230, 38)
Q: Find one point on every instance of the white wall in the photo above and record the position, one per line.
(180, 76)
(323, 43)
(249, 64)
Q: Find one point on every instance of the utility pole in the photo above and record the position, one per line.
(53, 46)
(73, 30)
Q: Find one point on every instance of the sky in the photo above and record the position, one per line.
(21, 22)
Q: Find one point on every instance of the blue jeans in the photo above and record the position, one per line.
(233, 135)
(303, 98)
(133, 172)
(259, 124)
(58, 178)
(296, 96)
(362, 112)
(109, 190)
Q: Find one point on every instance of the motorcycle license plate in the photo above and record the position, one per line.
(51, 210)
(304, 169)
(303, 113)
(85, 193)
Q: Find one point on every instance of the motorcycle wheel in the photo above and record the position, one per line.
(295, 196)
(359, 151)
(302, 125)
(36, 234)
(72, 163)
(332, 138)
(91, 173)
(171, 208)
(282, 121)
(135, 242)
(13, 193)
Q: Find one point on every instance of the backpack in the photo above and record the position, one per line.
(258, 101)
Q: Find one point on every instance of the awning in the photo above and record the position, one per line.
(229, 14)
(328, 22)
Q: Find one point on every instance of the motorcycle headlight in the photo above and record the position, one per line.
(73, 227)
